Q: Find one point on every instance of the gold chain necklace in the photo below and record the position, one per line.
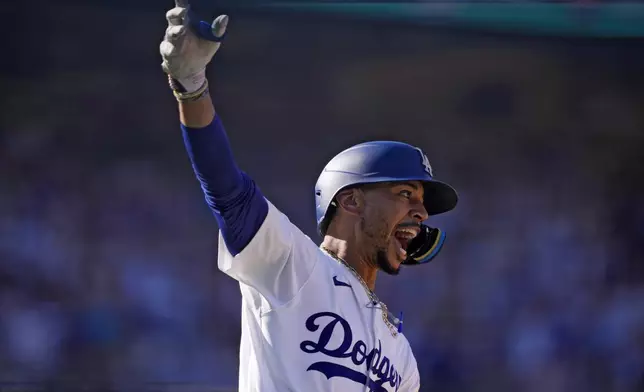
(372, 296)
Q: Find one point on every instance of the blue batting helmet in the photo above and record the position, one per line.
(379, 161)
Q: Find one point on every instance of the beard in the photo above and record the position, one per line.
(384, 265)
(378, 236)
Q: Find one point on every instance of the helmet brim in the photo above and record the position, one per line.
(440, 197)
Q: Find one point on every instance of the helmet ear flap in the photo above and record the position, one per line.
(330, 212)
(425, 246)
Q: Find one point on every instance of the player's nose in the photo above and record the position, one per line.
(418, 212)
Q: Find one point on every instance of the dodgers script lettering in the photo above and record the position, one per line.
(375, 362)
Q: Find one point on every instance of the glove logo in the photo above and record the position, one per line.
(425, 162)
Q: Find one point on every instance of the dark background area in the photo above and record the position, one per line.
(108, 271)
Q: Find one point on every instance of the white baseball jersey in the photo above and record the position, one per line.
(307, 323)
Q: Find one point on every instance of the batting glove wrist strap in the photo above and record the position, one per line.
(188, 85)
(185, 96)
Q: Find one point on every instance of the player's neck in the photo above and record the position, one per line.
(351, 255)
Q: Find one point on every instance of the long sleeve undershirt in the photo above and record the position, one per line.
(237, 203)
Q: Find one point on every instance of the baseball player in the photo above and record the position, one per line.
(310, 318)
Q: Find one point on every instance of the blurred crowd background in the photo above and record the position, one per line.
(108, 275)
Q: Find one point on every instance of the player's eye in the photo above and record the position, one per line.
(406, 193)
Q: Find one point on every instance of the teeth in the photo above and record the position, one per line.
(406, 233)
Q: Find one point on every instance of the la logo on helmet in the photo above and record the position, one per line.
(426, 165)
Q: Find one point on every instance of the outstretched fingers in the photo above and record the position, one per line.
(177, 16)
(177, 27)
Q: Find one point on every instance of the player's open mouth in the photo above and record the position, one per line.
(404, 235)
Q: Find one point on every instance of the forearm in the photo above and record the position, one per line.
(197, 114)
(212, 157)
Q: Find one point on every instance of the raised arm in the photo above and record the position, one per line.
(258, 245)
(235, 200)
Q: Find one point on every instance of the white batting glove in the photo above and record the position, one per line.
(188, 46)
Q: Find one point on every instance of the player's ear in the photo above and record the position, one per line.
(350, 200)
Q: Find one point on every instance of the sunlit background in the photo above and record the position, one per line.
(533, 111)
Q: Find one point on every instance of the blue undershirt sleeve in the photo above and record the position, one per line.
(236, 201)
